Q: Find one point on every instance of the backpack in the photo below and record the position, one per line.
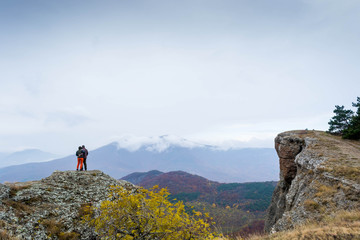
(79, 153)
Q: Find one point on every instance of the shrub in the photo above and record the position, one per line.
(69, 236)
(325, 191)
(84, 209)
(20, 207)
(5, 236)
(311, 205)
(52, 226)
(2, 224)
(15, 188)
(145, 214)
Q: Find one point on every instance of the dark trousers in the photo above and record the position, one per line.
(84, 162)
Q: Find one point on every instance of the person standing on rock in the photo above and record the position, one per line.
(86, 153)
(80, 155)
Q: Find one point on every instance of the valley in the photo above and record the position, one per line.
(237, 208)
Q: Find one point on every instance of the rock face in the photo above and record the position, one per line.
(319, 175)
(52, 207)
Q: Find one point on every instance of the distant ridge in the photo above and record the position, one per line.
(183, 185)
(138, 178)
(175, 181)
(25, 156)
(232, 165)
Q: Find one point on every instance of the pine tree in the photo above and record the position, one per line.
(353, 130)
(341, 120)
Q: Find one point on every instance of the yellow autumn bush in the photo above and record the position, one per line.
(146, 214)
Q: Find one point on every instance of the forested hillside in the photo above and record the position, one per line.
(236, 207)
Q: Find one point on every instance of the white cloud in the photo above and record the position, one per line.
(155, 143)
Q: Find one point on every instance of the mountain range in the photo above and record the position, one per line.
(25, 156)
(119, 159)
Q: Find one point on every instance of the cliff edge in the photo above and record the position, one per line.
(319, 176)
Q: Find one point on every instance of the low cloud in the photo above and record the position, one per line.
(162, 143)
(156, 144)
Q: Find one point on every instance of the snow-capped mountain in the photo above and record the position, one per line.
(165, 153)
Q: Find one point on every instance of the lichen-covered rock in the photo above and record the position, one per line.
(4, 192)
(319, 175)
(54, 205)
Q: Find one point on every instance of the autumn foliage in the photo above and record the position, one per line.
(146, 214)
(233, 206)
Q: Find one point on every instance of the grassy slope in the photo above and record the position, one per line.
(342, 156)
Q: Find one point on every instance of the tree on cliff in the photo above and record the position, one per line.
(345, 122)
(341, 120)
(144, 215)
(353, 130)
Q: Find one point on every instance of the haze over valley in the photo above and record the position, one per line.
(164, 153)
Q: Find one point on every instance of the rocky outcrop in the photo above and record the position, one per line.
(319, 175)
(52, 207)
(288, 148)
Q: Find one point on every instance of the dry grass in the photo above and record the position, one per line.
(69, 236)
(2, 224)
(343, 156)
(352, 173)
(4, 235)
(324, 191)
(30, 201)
(84, 210)
(325, 196)
(344, 225)
(14, 188)
(310, 205)
(21, 209)
(52, 226)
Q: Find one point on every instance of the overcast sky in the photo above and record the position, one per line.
(233, 73)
